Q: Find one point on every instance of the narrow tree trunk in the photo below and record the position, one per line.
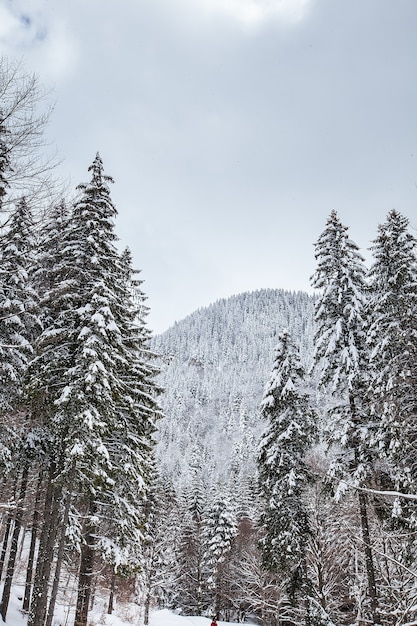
(58, 565)
(147, 607)
(85, 574)
(7, 532)
(369, 563)
(5, 542)
(370, 570)
(218, 601)
(39, 602)
(111, 597)
(31, 557)
(14, 545)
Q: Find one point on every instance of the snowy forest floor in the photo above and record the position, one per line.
(123, 615)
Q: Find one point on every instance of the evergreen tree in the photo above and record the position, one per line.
(18, 306)
(192, 595)
(392, 337)
(342, 359)
(18, 326)
(157, 578)
(94, 378)
(283, 474)
(218, 535)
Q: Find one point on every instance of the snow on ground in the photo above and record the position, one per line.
(124, 615)
(167, 618)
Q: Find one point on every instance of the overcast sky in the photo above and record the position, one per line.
(231, 127)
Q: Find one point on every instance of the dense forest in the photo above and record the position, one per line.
(256, 462)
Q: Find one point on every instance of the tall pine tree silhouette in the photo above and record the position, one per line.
(342, 361)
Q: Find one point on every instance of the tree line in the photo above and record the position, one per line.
(323, 532)
(320, 529)
(78, 397)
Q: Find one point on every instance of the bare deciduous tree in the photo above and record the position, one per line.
(25, 110)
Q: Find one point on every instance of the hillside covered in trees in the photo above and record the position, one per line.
(214, 365)
(255, 462)
(287, 443)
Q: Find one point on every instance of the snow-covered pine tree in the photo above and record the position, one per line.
(218, 535)
(18, 304)
(342, 360)
(49, 280)
(18, 326)
(192, 595)
(392, 337)
(131, 443)
(283, 473)
(94, 377)
(157, 579)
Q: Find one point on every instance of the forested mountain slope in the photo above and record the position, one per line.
(215, 364)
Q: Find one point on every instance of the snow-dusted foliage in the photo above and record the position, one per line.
(93, 379)
(341, 354)
(18, 304)
(191, 592)
(340, 334)
(392, 337)
(219, 533)
(283, 474)
(214, 366)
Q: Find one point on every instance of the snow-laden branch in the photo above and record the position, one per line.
(378, 492)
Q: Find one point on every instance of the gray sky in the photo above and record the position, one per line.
(232, 128)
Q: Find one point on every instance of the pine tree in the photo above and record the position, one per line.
(283, 474)
(218, 535)
(157, 578)
(18, 306)
(392, 337)
(342, 359)
(94, 378)
(18, 326)
(192, 595)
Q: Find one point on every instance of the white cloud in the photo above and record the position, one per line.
(58, 53)
(255, 12)
(28, 29)
(11, 29)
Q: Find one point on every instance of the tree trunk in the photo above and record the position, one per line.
(31, 557)
(370, 570)
(58, 565)
(147, 607)
(85, 574)
(369, 563)
(7, 532)
(218, 600)
(111, 597)
(5, 542)
(14, 545)
(39, 602)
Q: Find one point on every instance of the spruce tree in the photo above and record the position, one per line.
(283, 473)
(342, 361)
(18, 304)
(218, 535)
(18, 326)
(392, 337)
(94, 377)
(192, 595)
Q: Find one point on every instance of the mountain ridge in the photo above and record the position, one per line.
(214, 366)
